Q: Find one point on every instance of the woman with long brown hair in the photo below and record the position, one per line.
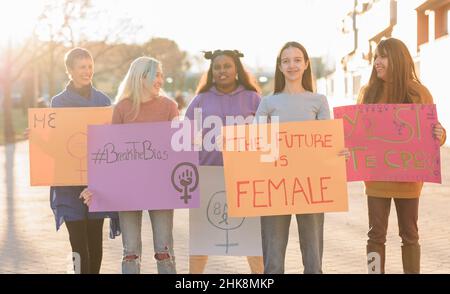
(394, 80)
(294, 99)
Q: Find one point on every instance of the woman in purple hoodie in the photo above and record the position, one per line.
(226, 90)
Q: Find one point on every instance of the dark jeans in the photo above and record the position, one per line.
(407, 215)
(86, 239)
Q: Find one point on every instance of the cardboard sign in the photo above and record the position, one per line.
(307, 177)
(133, 167)
(58, 143)
(211, 230)
(391, 142)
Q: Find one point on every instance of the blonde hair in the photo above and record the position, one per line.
(142, 69)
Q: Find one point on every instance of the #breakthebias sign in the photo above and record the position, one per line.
(134, 167)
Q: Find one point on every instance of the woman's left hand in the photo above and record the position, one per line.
(438, 132)
(86, 196)
(26, 134)
(345, 152)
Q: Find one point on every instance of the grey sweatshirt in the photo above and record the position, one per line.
(294, 107)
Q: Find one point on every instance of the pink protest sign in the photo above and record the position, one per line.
(391, 142)
(133, 167)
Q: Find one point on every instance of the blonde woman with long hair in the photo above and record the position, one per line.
(140, 99)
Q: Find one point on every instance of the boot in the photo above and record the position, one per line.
(411, 259)
(197, 264)
(375, 258)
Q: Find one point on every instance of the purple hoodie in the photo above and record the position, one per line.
(240, 102)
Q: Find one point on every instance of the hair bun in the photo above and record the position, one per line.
(238, 54)
(207, 54)
(211, 55)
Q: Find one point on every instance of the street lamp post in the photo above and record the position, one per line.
(169, 80)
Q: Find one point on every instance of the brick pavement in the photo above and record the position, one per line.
(29, 243)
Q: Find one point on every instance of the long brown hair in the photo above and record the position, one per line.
(280, 82)
(400, 73)
(244, 77)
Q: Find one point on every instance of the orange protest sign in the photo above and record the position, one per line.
(58, 143)
(308, 176)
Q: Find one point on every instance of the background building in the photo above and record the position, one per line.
(422, 25)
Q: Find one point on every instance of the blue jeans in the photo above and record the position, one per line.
(275, 234)
(162, 227)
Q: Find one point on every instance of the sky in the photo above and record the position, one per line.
(257, 28)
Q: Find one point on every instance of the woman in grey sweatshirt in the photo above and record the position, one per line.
(293, 100)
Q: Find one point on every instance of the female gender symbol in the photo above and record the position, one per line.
(217, 215)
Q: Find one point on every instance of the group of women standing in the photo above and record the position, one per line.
(227, 89)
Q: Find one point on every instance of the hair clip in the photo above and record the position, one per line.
(211, 55)
(207, 54)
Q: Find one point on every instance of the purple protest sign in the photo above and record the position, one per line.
(133, 167)
(391, 142)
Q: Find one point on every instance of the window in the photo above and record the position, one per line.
(417, 68)
(441, 21)
(422, 27)
(356, 85)
(432, 20)
(346, 86)
(448, 22)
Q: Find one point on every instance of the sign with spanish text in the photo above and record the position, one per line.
(133, 167)
(391, 142)
(307, 176)
(211, 230)
(58, 143)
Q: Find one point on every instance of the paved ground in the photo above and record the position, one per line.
(29, 243)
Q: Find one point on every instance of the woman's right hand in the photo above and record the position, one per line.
(345, 152)
(438, 132)
(86, 195)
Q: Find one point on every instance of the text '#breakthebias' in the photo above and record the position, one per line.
(133, 151)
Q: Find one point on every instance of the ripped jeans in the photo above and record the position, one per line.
(162, 226)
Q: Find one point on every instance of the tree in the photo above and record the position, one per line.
(57, 27)
(69, 23)
(64, 24)
(111, 65)
(60, 26)
(175, 62)
(7, 99)
(16, 59)
(320, 67)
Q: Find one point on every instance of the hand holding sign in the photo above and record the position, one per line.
(438, 132)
